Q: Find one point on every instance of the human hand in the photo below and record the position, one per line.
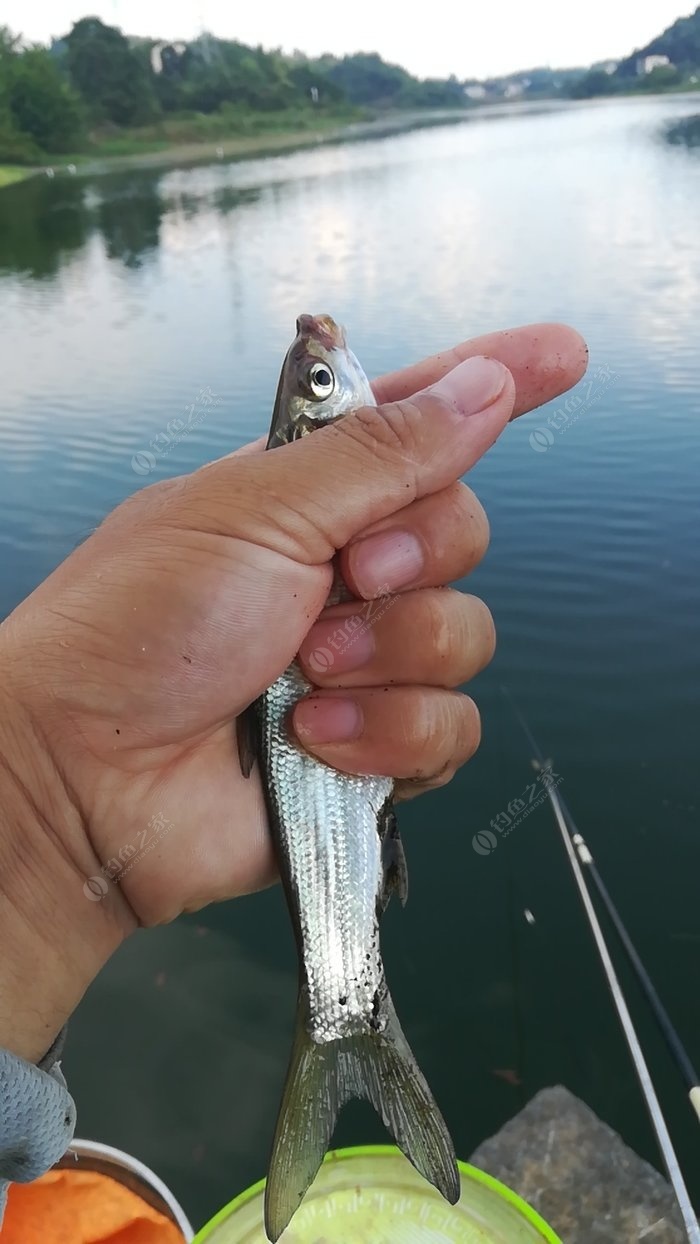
(128, 666)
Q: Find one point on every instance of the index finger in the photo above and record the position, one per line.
(544, 360)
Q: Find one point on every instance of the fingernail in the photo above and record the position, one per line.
(338, 645)
(473, 385)
(324, 719)
(385, 562)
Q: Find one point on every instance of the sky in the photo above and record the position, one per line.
(464, 37)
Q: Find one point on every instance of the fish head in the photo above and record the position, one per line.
(321, 380)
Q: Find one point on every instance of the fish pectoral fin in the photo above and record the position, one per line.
(393, 859)
(246, 736)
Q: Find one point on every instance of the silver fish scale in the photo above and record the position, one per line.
(326, 823)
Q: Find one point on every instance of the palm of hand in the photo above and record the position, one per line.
(167, 801)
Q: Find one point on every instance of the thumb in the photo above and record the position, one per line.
(309, 498)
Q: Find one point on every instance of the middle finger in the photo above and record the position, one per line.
(430, 542)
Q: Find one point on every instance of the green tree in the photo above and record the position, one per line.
(662, 78)
(432, 93)
(15, 148)
(594, 83)
(169, 82)
(113, 79)
(42, 102)
(680, 42)
(307, 76)
(366, 79)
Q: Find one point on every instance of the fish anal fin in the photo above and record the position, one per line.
(393, 858)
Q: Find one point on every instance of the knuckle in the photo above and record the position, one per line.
(147, 503)
(467, 730)
(481, 628)
(474, 523)
(390, 429)
(440, 731)
(426, 732)
(439, 626)
(444, 731)
(459, 634)
(459, 530)
(408, 788)
(481, 530)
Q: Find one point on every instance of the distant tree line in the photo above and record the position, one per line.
(95, 78)
(680, 43)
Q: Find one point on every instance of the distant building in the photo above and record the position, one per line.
(475, 91)
(171, 50)
(514, 90)
(645, 64)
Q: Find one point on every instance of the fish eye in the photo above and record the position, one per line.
(321, 380)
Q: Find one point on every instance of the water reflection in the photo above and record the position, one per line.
(129, 221)
(44, 222)
(685, 133)
(41, 224)
(176, 998)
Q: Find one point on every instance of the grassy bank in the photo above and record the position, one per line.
(187, 142)
(203, 135)
(223, 129)
(10, 173)
(229, 134)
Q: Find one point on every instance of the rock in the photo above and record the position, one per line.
(580, 1176)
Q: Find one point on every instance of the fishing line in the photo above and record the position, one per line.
(658, 1121)
(673, 1041)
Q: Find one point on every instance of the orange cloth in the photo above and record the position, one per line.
(82, 1207)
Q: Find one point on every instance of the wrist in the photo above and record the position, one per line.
(55, 935)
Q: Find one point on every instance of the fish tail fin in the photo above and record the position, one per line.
(399, 1092)
(307, 1115)
(378, 1066)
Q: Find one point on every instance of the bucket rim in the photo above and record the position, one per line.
(110, 1154)
(465, 1168)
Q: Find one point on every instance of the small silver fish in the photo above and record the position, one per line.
(340, 857)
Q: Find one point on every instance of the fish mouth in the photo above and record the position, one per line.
(321, 329)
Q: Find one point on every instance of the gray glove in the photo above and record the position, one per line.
(37, 1116)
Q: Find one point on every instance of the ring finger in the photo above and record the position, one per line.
(436, 637)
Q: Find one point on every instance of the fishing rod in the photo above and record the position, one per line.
(661, 1015)
(678, 1051)
(658, 1121)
